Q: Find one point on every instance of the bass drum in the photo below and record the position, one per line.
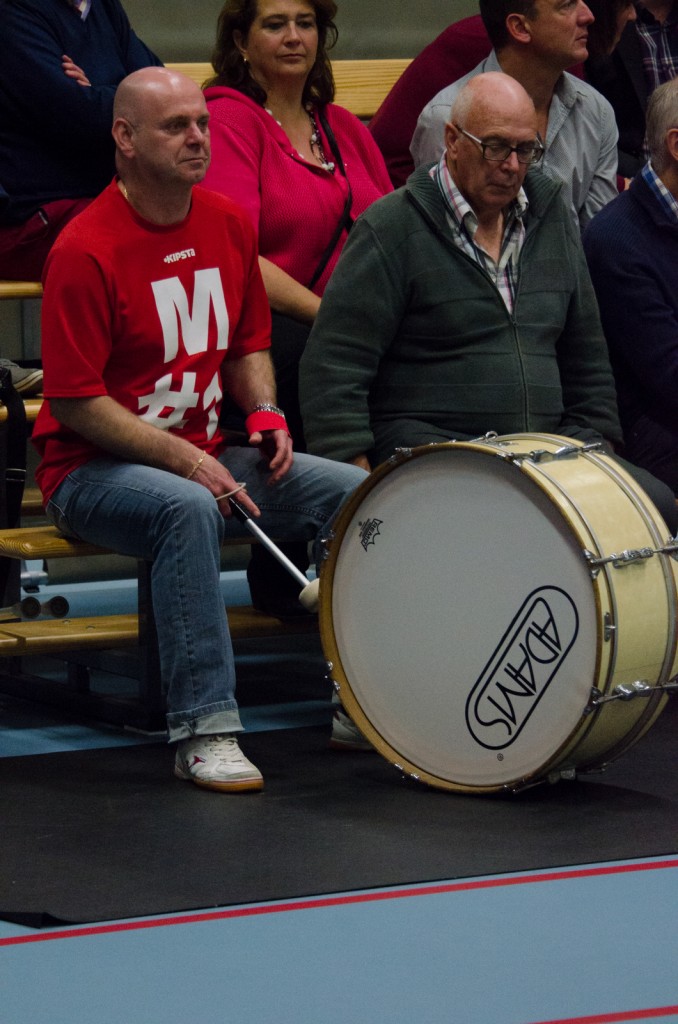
(500, 612)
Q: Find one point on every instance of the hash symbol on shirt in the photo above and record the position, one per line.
(165, 408)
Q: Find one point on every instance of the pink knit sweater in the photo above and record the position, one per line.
(294, 205)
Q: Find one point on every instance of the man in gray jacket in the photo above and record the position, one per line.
(462, 304)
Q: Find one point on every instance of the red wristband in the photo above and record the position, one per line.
(258, 421)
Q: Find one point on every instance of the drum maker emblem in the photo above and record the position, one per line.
(369, 531)
(523, 666)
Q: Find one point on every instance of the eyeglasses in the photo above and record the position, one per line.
(497, 151)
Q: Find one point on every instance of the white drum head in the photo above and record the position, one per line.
(463, 619)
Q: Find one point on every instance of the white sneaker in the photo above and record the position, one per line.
(345, 733)
(216, 762)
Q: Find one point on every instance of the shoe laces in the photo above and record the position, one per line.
(225, 748)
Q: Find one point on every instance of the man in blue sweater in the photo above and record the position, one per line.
(62, 61)
(632, 252)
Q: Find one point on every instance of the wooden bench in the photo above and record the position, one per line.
(361, 87)
(56, 637)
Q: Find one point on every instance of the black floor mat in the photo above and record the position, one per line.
(109, 834)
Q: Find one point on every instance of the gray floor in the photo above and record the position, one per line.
(597, 943)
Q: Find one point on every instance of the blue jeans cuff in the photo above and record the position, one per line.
(206, 721)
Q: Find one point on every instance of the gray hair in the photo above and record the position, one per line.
(662, 115)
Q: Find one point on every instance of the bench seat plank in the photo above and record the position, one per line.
(361, 85)
(49, 636)
(101, 632)
(29, 542)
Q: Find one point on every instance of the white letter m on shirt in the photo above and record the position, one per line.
(178, 320)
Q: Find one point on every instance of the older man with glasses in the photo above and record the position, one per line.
(462, 304)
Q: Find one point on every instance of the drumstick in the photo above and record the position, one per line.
(308, 597)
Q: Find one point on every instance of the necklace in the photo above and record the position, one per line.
(317, 146)
(316, 142)
(123, 189)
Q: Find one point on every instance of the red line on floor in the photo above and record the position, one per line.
(74, 932)
(612, 1018)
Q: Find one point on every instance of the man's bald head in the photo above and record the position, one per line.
(148, 88)
(161, 132)
(490, 96)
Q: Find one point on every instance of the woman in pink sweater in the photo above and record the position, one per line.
(301, 166)
(304, 169)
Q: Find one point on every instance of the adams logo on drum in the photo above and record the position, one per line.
(526, 662)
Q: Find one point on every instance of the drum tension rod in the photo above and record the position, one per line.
(629, 557)
(544, 455)
(567, 450)
(627, 691)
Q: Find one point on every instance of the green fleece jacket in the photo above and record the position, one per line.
(413, 342)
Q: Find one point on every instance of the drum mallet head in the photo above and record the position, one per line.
(309, 596)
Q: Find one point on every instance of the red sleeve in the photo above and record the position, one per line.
(76, 325)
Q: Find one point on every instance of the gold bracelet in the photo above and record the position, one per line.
(197, 466)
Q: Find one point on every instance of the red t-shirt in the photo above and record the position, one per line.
(146, 314)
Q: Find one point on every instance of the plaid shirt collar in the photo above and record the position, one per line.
(667, 200)
(659, 46)
(464, 224)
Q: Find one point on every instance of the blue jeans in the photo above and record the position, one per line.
(176, 524)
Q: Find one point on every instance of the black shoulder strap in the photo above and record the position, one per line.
(346, 220)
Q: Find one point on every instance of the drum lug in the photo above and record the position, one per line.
(567, 451)
(670, 548)
(629, 557)
(609, 629)
(620, 561)
(399, 455)
(324, 546)
(628, 691)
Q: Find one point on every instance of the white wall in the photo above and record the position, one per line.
(177, 30)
